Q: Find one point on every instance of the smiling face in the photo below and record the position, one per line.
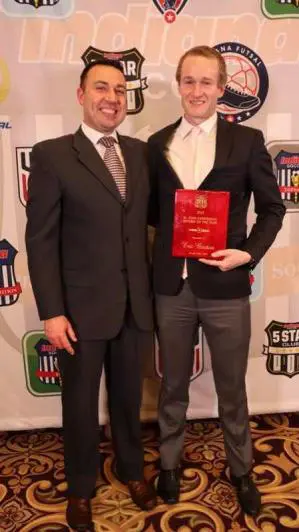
(103, 98)
(199, 87)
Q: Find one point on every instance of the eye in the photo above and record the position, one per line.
(101, 88)
(188, 82)
(120, 91)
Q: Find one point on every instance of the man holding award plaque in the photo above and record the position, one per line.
(204, 171)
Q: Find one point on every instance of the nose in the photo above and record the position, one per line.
(111, 95)
(197, 89)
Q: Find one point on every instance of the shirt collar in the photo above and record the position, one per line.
(185, 127)
(94, 136)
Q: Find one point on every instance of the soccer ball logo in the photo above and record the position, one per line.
(242, 78)
(247, 83)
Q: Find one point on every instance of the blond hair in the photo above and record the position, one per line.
(209, 53)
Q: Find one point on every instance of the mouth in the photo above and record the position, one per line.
(197, 103)
(107, 111)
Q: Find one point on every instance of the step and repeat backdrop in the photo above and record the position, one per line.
(44, 45)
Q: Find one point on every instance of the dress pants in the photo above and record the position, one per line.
(81, 375)
(226, 325)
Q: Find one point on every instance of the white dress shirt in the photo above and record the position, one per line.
(94, 136)
(191, 153)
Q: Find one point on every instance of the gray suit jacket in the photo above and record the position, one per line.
(87, 251)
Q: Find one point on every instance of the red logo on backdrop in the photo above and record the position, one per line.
(10, 289)
(47, 371)
(287, 164)
(170, 8)
(23, 168)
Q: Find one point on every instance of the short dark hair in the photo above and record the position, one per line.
(102, 62)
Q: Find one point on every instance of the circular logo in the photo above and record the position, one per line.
(201, 202)
(247, 82)
(169, 16)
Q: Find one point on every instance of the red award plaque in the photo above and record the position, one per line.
(200, 222)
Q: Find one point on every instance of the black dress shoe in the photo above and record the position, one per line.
(169, 485)
(78, 514)
(247, 493)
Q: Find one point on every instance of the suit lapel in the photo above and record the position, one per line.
(88, 156)
(164, 142)
(224, 144)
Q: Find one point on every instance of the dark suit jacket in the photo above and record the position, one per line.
(242, 166)
(86, 249)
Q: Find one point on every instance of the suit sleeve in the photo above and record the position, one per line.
(43, 235)
(153, 211)
(269, 207)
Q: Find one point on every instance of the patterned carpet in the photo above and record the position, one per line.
(32, 482)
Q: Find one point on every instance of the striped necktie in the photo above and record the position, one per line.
(114, 165)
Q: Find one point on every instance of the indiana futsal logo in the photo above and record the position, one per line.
(41, 367)
(281, 8)
(10, 289)
(282, 350)
(23, 168)
(132, 62)
(198, 359)
(37, 8)
(170, 8)
(247, 82)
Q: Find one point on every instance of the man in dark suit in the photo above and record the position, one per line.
(201, 151)
(86, 240)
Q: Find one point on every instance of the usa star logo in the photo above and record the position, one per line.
(170, 16)
(170, 8)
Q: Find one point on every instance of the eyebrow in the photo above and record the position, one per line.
(205, 78)
(118, 85)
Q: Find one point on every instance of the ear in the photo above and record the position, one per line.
(80, 95)
(220, 91)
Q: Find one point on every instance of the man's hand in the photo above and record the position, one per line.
(230, 259)
(58, 331)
